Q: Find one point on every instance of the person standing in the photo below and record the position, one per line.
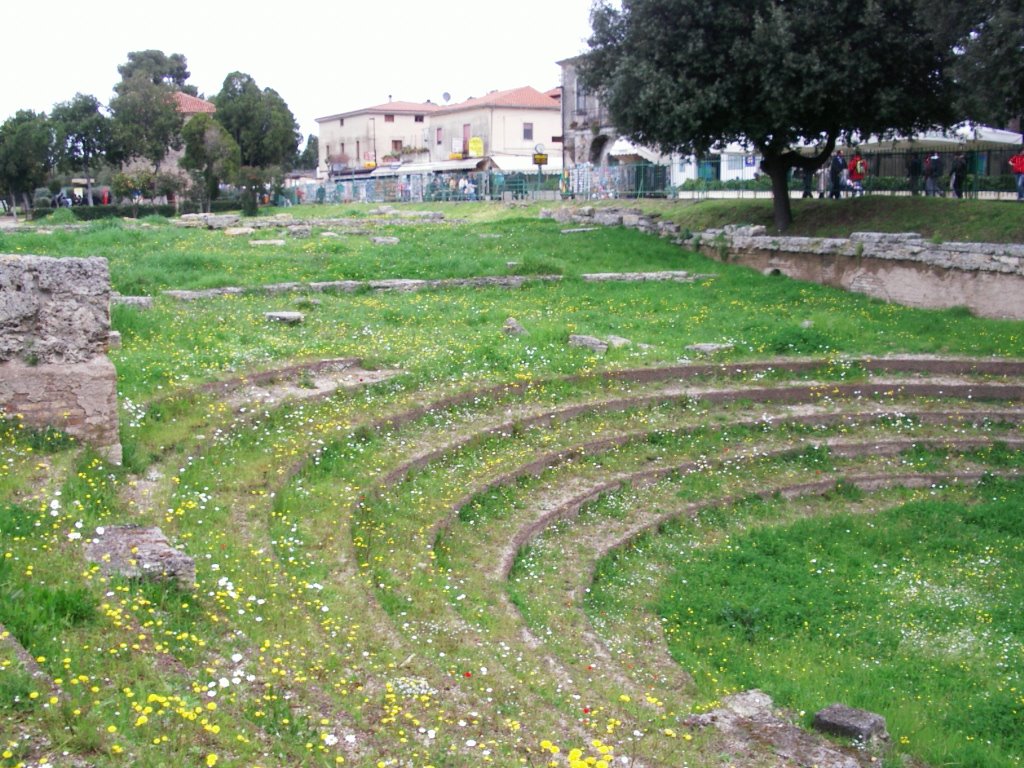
(1017, 167)
(958, 175)
(835, 174)
(914, 173)
(858, 170)
(933, 175)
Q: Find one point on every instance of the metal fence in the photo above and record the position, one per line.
(889, 173)
(428, 187)
(988, 176)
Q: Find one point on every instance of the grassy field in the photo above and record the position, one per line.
(495, 557)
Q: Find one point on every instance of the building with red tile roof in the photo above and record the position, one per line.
(362, 138)
(189, 105)
(511, 123)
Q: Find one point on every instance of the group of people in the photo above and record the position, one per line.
(844, 175)
(932, 170)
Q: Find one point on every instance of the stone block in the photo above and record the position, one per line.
(857, 724)
(608, 218)
(708, 348)
(288, 318)
(136, 552)
(139, 302)
(384, 240)
(512, 327)
(588, 342)
(53, 310)
(79, 398)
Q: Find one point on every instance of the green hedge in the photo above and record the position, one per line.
(92, 213)
(1003, 183)
(87, 213)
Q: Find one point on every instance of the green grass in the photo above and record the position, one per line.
(939, 219)
(316, 590)
(911, 613)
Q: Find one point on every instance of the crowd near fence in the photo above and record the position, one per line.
(988, 177)
(889, 173)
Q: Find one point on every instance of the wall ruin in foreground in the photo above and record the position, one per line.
(54, 332)
(987, 278)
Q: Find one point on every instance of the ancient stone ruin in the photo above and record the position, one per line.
(54, 335)
(137, 552)
(904, 268)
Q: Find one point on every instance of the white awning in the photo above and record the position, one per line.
(524, 163)
(967, 136)
(625, 148)
(442, 166)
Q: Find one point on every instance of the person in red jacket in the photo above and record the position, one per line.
(858, 169)
(1017, 166)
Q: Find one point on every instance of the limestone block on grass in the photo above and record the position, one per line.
(273, 288)
(384, 240)
(608, 218)
(749, 723)
(266, 243)
(239, 231)
(207, 220)
(513, 327)
(336, 286)
(53, 310)
(708, 348)
(588, 342)
(79, 398)
(857, 724)
(137, 552)
(139, 302)
(288, 318)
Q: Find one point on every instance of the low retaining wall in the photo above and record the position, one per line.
(987, 278)
(54, 332)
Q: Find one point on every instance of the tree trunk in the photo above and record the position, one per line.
(88, 185)
(782, 211)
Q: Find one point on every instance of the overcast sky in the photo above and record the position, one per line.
(322, 56)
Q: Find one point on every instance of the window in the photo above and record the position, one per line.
(734, 162)
(581, 98)
(418, 119)
(389, 118)
(527, 131)
(341, 121)
(396, 145)
(438, 137)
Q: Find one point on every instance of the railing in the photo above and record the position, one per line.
(987, 176)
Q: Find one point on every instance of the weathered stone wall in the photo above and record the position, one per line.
(54, 332)
(987, 278)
